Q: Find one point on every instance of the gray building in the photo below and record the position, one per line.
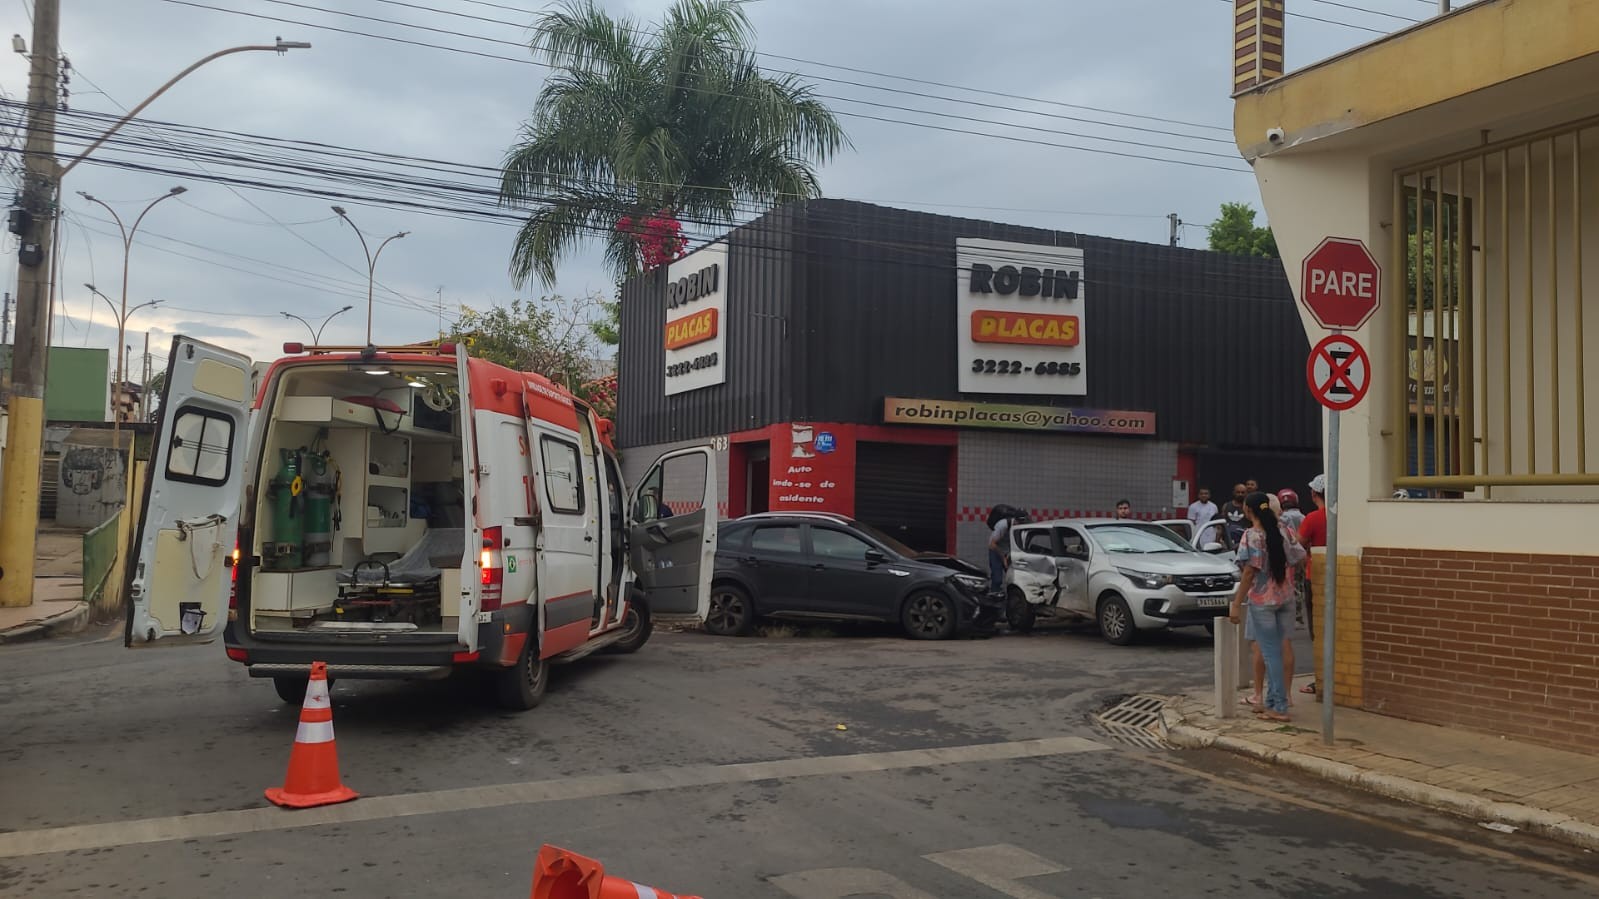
(913, 370)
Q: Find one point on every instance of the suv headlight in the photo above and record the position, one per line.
(1146, 579)
(971, 582)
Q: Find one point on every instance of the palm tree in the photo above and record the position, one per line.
(679, 123)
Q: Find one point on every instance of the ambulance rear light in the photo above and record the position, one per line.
(233, 582)
(446, 349)
(492, 577)
(293, 348)
(237, 654)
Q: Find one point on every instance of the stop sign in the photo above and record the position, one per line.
(1342, 284)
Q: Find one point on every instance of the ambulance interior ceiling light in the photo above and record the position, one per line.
(377, 371)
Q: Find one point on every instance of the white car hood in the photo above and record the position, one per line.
(1172, 563)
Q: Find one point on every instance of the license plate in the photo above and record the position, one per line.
(1212, 602)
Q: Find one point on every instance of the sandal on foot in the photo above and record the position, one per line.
(1251, 701)
(1309, 688)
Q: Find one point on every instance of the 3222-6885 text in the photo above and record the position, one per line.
(1012, 367)
(682, 368)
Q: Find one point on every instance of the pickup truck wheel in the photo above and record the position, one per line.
(1019, 613)
(929, 615)
(1116, 621)
(291, 689)
(638, 625)
(522, 686)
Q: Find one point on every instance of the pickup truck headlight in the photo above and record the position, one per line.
(1146, 579)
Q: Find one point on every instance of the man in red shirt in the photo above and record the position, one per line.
(1313, 532)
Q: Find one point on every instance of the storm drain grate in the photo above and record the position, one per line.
(1136, 721)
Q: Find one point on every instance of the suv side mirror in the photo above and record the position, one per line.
(1215, 548)
(875, 557)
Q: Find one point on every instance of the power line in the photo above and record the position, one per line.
(269, 215)
(429, 164)
(1374, 12)
(520, 61)
(937, 256)
(884, 88)
(520, 45)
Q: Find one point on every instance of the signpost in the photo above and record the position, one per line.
(1341, 286)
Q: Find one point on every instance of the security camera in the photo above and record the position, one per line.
(1275, 135)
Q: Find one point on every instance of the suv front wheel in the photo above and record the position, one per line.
(1116, 621)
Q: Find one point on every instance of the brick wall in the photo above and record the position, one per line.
(1348, 662)
(1505, 643)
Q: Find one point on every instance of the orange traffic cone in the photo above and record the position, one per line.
(560, 874)
(313, 777)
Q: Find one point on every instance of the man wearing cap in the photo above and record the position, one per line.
(1312, 533)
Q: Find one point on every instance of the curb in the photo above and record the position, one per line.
(69, 622)
(1544, 823)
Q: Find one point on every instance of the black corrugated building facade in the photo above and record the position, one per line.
(829, 307)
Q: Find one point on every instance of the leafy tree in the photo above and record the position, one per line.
(638, 128)
(552, 336)
(153, 389)
(1235, 232)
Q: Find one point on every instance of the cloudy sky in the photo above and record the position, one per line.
(225, 260)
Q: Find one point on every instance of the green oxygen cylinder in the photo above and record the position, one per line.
(318, 510)
(288, 513)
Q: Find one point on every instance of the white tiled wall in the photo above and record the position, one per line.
(636, 462)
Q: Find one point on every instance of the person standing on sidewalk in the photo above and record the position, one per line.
(1313, 533)
(1267, 587)
(1124, 509)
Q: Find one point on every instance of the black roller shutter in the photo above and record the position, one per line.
(903, 490)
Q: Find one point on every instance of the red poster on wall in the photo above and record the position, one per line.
(813, 468)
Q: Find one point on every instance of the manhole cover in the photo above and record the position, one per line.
(1136, 721)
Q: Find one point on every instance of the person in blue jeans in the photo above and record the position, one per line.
(1266, 553)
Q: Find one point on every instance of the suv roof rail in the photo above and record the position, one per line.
(831, 516)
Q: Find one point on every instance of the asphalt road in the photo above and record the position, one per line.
(740, 769)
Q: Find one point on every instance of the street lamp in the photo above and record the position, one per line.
(122, 325)
(316, 333)
(127, 251)
(280, 46)
(371, 264)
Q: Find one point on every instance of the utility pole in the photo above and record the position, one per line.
(144, 382)
(5, 319)
(1175, 224)
(32, 222)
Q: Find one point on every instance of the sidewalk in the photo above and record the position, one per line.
(58, 605)
(1547, 792)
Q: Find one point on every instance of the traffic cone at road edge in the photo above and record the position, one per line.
(559, 874)
(313, 777)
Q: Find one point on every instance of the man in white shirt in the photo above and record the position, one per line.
(1202, 512)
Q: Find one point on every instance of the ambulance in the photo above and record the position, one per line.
(405, 512)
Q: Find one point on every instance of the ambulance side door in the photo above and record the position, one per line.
(672, 532)
(177, 582)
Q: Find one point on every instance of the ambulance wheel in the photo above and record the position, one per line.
(291, 689)
(1019, 613)
(638, 625)
(521, 686)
